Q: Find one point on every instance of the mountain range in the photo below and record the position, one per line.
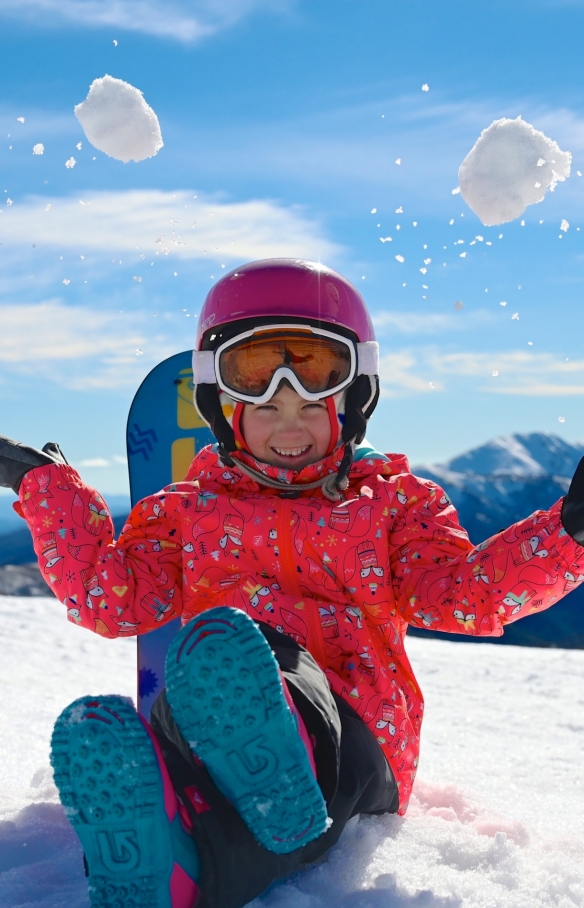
(491, 486)
(499, 483)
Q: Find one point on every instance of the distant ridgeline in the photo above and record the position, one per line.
(492, 487)
(497, 484)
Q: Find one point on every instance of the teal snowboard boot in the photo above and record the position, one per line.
(226, 695)
(118, 796)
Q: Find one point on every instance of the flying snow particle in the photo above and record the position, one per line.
(459, 305)
(564, 225)
(515, 317)
(451, 221)
(39, 148)
(427, 261)
(561, 419)
(70, 163)
(9, 202)
(400, 258)
(115, 43)
(497, 176)
(79, 146)
(137, 279)
(117, 120)
(463, 255)
(398, 160)
(424, 270)
(49, 206)
(66, 281)
(81, 202)
(374, 211)
(385, 239)
(139, 352)
(456, 191)
(495, 373)
(20, 119)
(399, 210)
(425, 87)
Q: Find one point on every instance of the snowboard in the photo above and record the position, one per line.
(164, 432)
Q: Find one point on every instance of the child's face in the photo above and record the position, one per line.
(288, 431)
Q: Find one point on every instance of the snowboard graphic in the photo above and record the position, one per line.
(164, 431)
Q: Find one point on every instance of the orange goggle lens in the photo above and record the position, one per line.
(319, 363)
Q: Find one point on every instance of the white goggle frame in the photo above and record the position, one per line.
(364, 361)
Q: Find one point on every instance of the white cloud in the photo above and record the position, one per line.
(182, 21)
(427, 322)
(102, 462)
(525, 374)
(162, 222)
(77, 346)
(401, 373)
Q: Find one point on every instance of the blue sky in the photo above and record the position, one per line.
(282, 122)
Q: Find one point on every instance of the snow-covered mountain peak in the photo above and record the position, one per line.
(519, 455)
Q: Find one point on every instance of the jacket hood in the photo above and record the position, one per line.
(209, 471)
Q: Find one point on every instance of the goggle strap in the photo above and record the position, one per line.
(367, 358)
(204, 367)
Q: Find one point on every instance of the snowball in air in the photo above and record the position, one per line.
(498, 176)
(39, 148)
(565, 226)
(117, 120)
(70, 163)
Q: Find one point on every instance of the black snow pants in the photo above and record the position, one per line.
(352, 772)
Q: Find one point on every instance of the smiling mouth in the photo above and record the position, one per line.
(292, 452)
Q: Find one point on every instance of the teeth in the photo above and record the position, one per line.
(291, 452)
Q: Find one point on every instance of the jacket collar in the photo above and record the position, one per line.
(209, 471)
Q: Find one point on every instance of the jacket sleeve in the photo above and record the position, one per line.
(114, 588)
(442, 582)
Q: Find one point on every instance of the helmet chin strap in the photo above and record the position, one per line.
(332, 484)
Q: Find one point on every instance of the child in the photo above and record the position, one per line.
(267, 731)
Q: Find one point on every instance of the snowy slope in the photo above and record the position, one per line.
(496, 821)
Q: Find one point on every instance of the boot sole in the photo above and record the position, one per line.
(226, 696)
(109, 782)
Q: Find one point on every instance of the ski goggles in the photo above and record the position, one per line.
(317, 363)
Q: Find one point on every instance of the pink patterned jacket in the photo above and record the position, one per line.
(343, 579)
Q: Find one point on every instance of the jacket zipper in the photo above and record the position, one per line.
(288, 564)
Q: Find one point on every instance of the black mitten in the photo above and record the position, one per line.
(572, 515)
(17, 459)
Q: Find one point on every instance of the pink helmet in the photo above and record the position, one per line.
(274, 291)
(285, 288)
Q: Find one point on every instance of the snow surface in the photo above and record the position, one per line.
(117, 120)
(496, 820)
(511, 166)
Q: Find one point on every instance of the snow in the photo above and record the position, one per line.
(519, 455)
(495, 822)
(511, 166)
(117, 120)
